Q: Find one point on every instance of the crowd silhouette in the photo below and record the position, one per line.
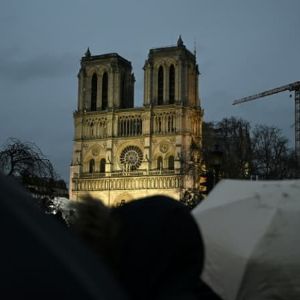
(145, 249)
(153, 245)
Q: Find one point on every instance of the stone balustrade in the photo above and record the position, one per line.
(127, 183)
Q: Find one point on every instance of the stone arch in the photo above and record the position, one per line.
(91, 71)
(91, 165)
(123, 102)
(171, 84)
(159, 163)
(160, 85)
(171, 162)
(104, 96)
(102, 165)
(94, 88)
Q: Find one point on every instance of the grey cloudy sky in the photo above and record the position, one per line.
(243, 47)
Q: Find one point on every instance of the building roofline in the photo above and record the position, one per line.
(171, 48)
(105, 56)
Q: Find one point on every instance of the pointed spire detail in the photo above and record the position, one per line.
(88, 52)
(180, 42)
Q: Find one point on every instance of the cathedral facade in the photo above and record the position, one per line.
(122, 153)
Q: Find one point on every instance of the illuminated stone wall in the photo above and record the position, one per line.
(121, 154)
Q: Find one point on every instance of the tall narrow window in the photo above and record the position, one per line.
(94, 93)
(159, 125)
(159, 163)
(171, 84)
(104, 91)
(102, 165)
(92, 166)
(123, 103)
(160, 86)
(171, 163)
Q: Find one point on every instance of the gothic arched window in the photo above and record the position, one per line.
(159, 163)
(104, 91)
(94, 93)
(160, 86)
(172, 84)
(92, 166)
(102, 165)
(171, 163)
(123, 103)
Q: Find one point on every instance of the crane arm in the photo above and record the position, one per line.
(288, 87)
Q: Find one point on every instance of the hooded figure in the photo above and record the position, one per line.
(160, 251)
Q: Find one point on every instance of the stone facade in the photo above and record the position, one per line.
(122, 153)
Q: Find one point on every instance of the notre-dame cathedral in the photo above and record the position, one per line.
(122, 152)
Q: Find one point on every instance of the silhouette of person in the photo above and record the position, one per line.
(161, 251)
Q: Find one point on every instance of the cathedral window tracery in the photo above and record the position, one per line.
(160, 86)
(131, 158)
(165, 123)
(171, 84)
(94, 93)
(130, 125)
(104, 91)
(123, 103)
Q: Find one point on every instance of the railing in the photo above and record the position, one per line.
(126, 173)
(91, 175)
(127, 183)
(161, 172)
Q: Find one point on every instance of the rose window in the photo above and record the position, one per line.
(131, 157)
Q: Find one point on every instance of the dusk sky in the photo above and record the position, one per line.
(243, 47)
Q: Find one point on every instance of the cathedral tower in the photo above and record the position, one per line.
(122, 153)
(105, 82)
(171, 76)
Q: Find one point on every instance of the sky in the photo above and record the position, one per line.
(243, 47)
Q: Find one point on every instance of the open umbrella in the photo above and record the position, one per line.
(252, 241)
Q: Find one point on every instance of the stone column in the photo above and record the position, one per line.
(110, 97)
(74, 178)
(109, 124)
(147, 84)
(86, 92)
(109, 157)
(117, 89)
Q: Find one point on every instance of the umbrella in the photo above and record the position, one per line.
(252, 243)
(41, 259)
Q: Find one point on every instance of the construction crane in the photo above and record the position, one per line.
(295, 86)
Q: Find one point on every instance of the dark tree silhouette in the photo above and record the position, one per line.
(262, 152)
(27, 164)
(24, 159)
(272, 158)
(232, 136)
